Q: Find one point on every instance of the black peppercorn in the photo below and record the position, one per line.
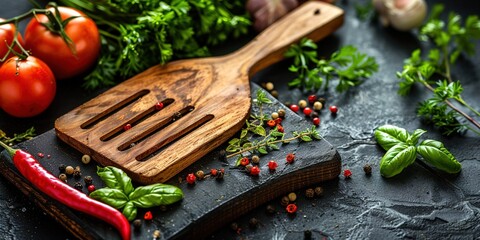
(253, 223)
(318, 191)
(137, 224)
(77, 173)
(61, 168)
(234, 226)
(163, 208)
(322, 100)
(220, 175)
(88, 180)
(270, 209)
(307, 234)
(248, 168)
(285, 201)
(78, 186)
(367, 169)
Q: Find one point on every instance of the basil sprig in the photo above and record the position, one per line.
(121, 194)
(402, 151)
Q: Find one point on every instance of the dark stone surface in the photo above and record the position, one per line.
(420, 203)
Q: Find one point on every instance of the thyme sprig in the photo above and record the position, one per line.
(17, 137)
(347, 65)
(255, 138)
(434, 71)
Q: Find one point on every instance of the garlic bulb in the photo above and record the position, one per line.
(402, 15)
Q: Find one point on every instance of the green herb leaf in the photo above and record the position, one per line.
(388, 136)
(155, 195)
(413, 139)
(436, 154)
(396, 159)
(111, 196)
(130, 211)
(262, 150)
(116, 178)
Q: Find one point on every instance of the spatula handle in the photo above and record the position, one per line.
(312, 19)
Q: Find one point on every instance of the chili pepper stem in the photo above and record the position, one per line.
(11, 151)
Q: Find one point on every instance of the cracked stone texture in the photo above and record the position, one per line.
(420, 203)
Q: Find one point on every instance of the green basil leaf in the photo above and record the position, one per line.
(115, 178)
(155, 195)
(130, 211)
(436, 154)
(413, 139)
(396, 159)
(110, 196)
(388, 136)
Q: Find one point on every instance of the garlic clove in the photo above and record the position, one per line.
(405, 15)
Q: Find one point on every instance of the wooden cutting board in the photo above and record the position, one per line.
(161, 121)
(209, 204)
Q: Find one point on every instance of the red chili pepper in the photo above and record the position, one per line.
(53, 187)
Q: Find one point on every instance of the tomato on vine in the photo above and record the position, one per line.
(7, 35)
(27, 86)
(68, 46)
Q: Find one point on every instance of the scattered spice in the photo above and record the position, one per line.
(220, 174)
(307, 111)
(63, 177)
(290, 158)
(88, 180)
(271, 123)
(280, 128)
(213, 172)
(291, 208)
(285, 201)
(333, 109)
(302, 104)
(127, 127)
(322, 100)
(269, 86)
(191, 178)
(40, 155)
(312, 99)
(294, 108)
(253, 222)
(255, 159)
(137, 224)
(200, 174)
(272, 165)
(78, 186)
(244, 161)
(347, 173)
(292, 197)
(367, 169)
(69, 170)
(318, 191)
(316, 121)
(255, 171)
(282, 113)
(91, 188)
(307, 234)
(248, 168)
(270, 209)
(86, 159)
(77, 173)
(62, 168)
(309, 193)
(148, 216)
(156, 234)
(274, 115)
(274, 93)
(159, 106)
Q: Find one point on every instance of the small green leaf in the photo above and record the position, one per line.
(262, 150)
(130, 211)
(115, 178)
(436, 154)
(273, 146)
(243, 134)
(396, 159)
(306, 138)
(234, 141)
(259, 130)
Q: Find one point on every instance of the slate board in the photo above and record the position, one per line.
(207, 205)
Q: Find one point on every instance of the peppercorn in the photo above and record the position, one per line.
(269, 86)
(220, 174)
(86, 159)
(314, 115)
(316, 121)
(291, 208)
(222, 155)
(127, 127)
(317, 106)
(255, 171)
(307, 234)
(272, 165)
(290, 158)
(307, 111)
(312, 98)
(367, 169)
(281, 113)
(270, 209)
(234, 226)
(255, 159)
(347, 173)
(91, 188)
(40, 155)
(213, 172)
(285, 201)
(61, 168)
(69, 170)
(274, 115)
(200, 174)
(318, 191)
(148, 215)
(248, 168)
(280, 128)
(191, 178)
(302, 104)
(309, 193)
(77, 173)
(271, 123)
(253, 222)
(156, 234)
(333, 109)
(244, 161)
(292, 197)
(137, 224)
(274, 93)
(294, 108)
(88, 180)
(322, 100)
(63, 177)
(78, 186)
(159, 106)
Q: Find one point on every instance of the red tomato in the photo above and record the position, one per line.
(54, 51)
(7, 32)
(27, 87)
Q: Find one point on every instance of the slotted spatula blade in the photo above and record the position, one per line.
(160, 121)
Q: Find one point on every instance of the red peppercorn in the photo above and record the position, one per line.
(91, 188)
(316, 121)
(333, 109)
(213, 171)
(272, 165)
(255, 171)
(127, 126)
(291, 208)
(191, 178)
(244, 161)
(347, 173)
(159, 106)
(271, 123)
(294, 108)
(312, 99)
(280, 128)
(290, 158)
(148, 216)
(278, 121)
(41, 155)
(307, 111)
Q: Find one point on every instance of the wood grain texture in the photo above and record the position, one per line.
(209, 204)
(217, 89)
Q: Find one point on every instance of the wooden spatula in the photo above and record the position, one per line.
(162, 120)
